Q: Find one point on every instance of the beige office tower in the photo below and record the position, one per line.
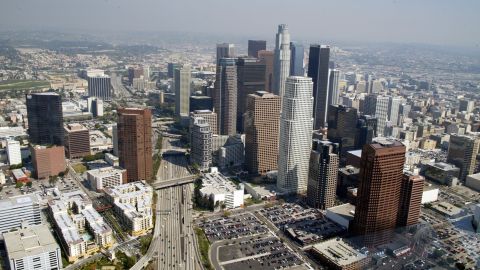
(225, 96)
(182, 80)
(462, 152)
(262, 124)
(322, 175)
(209, 116)
(296, 124)
(266, 58)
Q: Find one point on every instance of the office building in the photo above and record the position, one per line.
(262, 124)
(462, 152)
(337, 254)
(13, 152)
(77, 141)
(281, 64)
(45, 119)
(378, 106)
(115, 139)
(32, 248)
(134, 72)
(209, 116)
(201, 103)
(102, 178)
(95, 106)
(394, 109)
(333, 93)
(410, 200)
(225, 50)
(318, 70)
(366, 130)
(134, 128)
(232, 153)
(466, 105)
(225, 96)
(254, 46)
(322, 175)
(48, 161)
(250, 79)
(296, 59)
(133, 205)
(267, 58)
(171, 67)
(442, 173)
(19, 211)
(201, 143)
(342, 127)
(378, 194)
(295, 135)
(182, 81)
(99, 85)
(221, 190)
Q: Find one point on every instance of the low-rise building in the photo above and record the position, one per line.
(102, 178)
(430, 194)
(337, 254)
(220, 189)
(133, 205)
(13, 152)
(473, 181)
(341, 214)
(32, 248)
(112, 160)
(19, 211)
(442, 173)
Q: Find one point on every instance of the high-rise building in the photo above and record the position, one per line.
(266, 58)
(295, 135)
(296, 59)
(77, 141)
(171, 67)
(225, 50)
(254, 46)
(45, 118)
(115, 140)
(378, 194)
(262, 124)
(207, 115)
(462, 152)
(250, 78)
(394, 109)
(318, 70)
(33, 248)
(225, 96)
(342, 127)
(19, 211)
(99, 84)
(322, 176)
(182, 80)
(410, 200)
(281, 65)
(95, 106)
(378, 106)
(134, 128)
(201, 152)
(134, 72)
(333, 94)
(466, 105)
(48, 161)
(201, 103)
(366, 130)
(13, 152)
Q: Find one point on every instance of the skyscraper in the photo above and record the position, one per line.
(318, 67)
(250, 78)
(281, 67)
(45, 118)
(342, 127)
(77, 141)
(266, 58)
(366, 130)
(209, 116)
(225, 50)
(201, 152)
(182, 80)
(262, 124)
(462, 152)
(171, 69)
(410, 200)
(322, 176)
(394, 109)
(225, 96)
(466, 105)
(254, 46)
(378, 194)
(99, 84)
(296, 59)
(295, 135)
(378, 105)
(134, 129)
(333, 93)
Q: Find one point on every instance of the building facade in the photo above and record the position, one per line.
(266, 58)
(45, 119)
(77, 141)
(296, 59)
(17, 211)
(182, 81)
(225, 50)
(281, 65)
(102, 178)
(13, 152)
(410, 200)
(225, 96)
(318, 67)
(254, 46)
(462, 152)
(201, 143)
(48, 161)
(99, 85)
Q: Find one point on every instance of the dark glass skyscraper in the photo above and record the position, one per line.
(366, 130)
(296, 59)
(45, 119)
(342, 122)
(318, 65)
(254, 46)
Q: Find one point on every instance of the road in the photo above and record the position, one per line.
(119, 89)
(78, 264)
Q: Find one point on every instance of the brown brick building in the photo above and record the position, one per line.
(48, 161)
(410, 200)
(134, 130)
(262, 124)
(77, 141)
(378, 197)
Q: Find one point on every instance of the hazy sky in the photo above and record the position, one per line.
(449, 22)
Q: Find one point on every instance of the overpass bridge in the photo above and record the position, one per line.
(174, 182)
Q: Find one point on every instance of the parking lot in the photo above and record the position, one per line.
(304, 225)
(221, 228)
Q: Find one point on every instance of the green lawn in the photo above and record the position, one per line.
(23, 84)
(79, 168)
(204, 246)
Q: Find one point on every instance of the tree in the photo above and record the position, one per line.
(19, 185)
(29, 184)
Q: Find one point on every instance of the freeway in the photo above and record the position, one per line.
(119, 89)
(174, 182)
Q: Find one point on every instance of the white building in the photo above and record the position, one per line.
(133, 204)
(32, 248)
(341, 214)
(281, 65)
(429, 195)
(473, 181)
(296, 125)
(394, 109)
(13, 152)
(112, 160)
(18, 211)
(106, 177)
(217, 187)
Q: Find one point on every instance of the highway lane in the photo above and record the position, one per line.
(118, 88)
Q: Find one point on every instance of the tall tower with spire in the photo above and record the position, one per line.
(281, 68)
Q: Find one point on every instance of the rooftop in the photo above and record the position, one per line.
(339, 252)
(30, 241)
(17, 201)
